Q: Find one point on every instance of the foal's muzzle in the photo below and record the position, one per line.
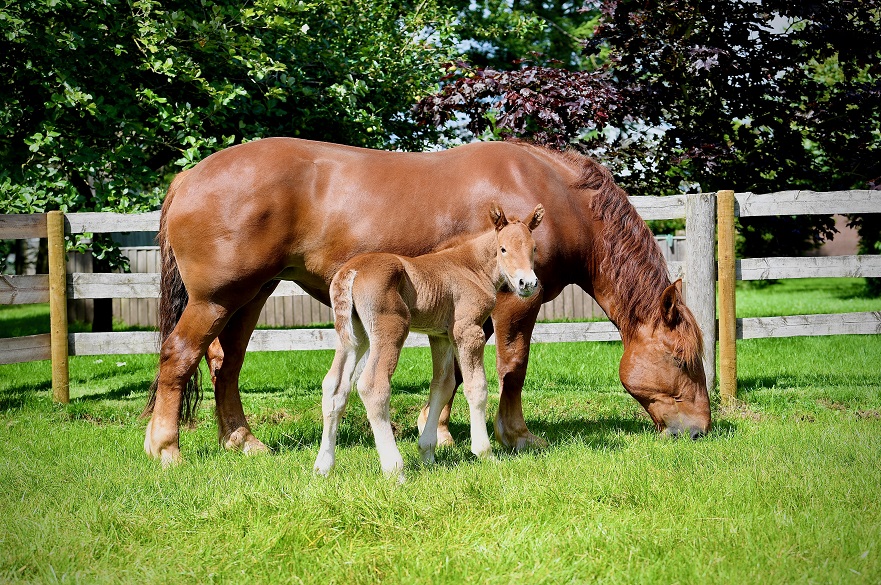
(525, 283)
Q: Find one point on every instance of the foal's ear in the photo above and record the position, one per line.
(670, 300)
(497, 216)
(537, 215)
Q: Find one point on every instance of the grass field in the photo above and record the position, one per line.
(785, 489)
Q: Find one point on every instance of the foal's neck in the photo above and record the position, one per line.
(480, 256)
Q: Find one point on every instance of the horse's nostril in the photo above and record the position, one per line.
(696, 434)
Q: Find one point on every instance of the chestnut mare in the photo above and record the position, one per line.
(378, 298)
(283, 208)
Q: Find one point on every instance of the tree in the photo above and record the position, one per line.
(106, 99)
(754, 96)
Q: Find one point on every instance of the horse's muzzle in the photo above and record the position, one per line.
(691, 430)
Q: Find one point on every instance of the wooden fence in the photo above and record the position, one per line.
(302, 310)
(698, 270)
(731, 205)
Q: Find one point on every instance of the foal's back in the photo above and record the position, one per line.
(425, 292)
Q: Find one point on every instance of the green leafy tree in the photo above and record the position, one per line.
(105, 99)
(756, 96)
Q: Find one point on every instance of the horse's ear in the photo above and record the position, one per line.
(537, 215)
(497, 216)
(670, 300)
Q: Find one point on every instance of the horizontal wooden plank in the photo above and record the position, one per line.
(569, 332)
(806, 203)
(137, 342)
(287, 288)
(671, 207)
(810, 267)
(19, 227)
(135, 285)
(116, 343)
(105, 222)
(29, 348)
(24, 290)
(802, 325)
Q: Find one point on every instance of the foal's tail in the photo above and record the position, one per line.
(343, 305)
(173, 299)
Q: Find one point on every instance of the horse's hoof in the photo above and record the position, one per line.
(170, 458)
(243, 440)
(254, 447)
(323, 464)
(518, 441)
(168, 455)
(444, 438)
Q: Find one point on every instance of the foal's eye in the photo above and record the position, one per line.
(503, 250)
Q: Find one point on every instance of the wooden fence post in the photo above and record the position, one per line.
(700, 273)
(727, 314)
(58, 307)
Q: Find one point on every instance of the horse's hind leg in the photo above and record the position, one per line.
(178, 359)
(443, 384)
(335, 395)
(387, 335)
(225, 357)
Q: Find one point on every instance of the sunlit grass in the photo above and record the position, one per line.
(785, 489)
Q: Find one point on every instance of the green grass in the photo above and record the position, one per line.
(804, 296)
(785, 489)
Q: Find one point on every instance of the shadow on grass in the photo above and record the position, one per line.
(131, 391)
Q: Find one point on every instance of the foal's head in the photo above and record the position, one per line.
(515, 249)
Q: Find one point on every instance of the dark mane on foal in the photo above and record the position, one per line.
(632, 260)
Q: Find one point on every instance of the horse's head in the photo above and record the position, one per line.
(515, 249)
(663, 369)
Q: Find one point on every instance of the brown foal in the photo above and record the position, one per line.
(378, 298)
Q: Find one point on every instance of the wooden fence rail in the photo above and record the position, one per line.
(733, 205)
(698, 270)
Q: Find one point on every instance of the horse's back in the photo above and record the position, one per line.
(296, 208)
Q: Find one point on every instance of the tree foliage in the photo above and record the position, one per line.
(756, 96)
(105, 99)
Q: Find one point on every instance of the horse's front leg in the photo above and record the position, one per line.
(514, 319)
(470, 342)
(443, 384)
(444, 437)
(225, 357)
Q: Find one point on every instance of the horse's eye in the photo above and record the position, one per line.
(503, 250)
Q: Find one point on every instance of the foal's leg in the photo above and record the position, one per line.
(514, 320)
(443, 430)
(470, 342)
(225, 357)
(336, 387)
(178, 359)
(443, 384)
(387, 334)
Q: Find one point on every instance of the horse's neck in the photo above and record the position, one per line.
(626, 284)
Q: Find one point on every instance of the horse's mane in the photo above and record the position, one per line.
(632, 260)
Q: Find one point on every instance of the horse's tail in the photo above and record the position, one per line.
(342, 301)
(173, 299)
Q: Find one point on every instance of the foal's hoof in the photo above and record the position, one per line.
(243, 440)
